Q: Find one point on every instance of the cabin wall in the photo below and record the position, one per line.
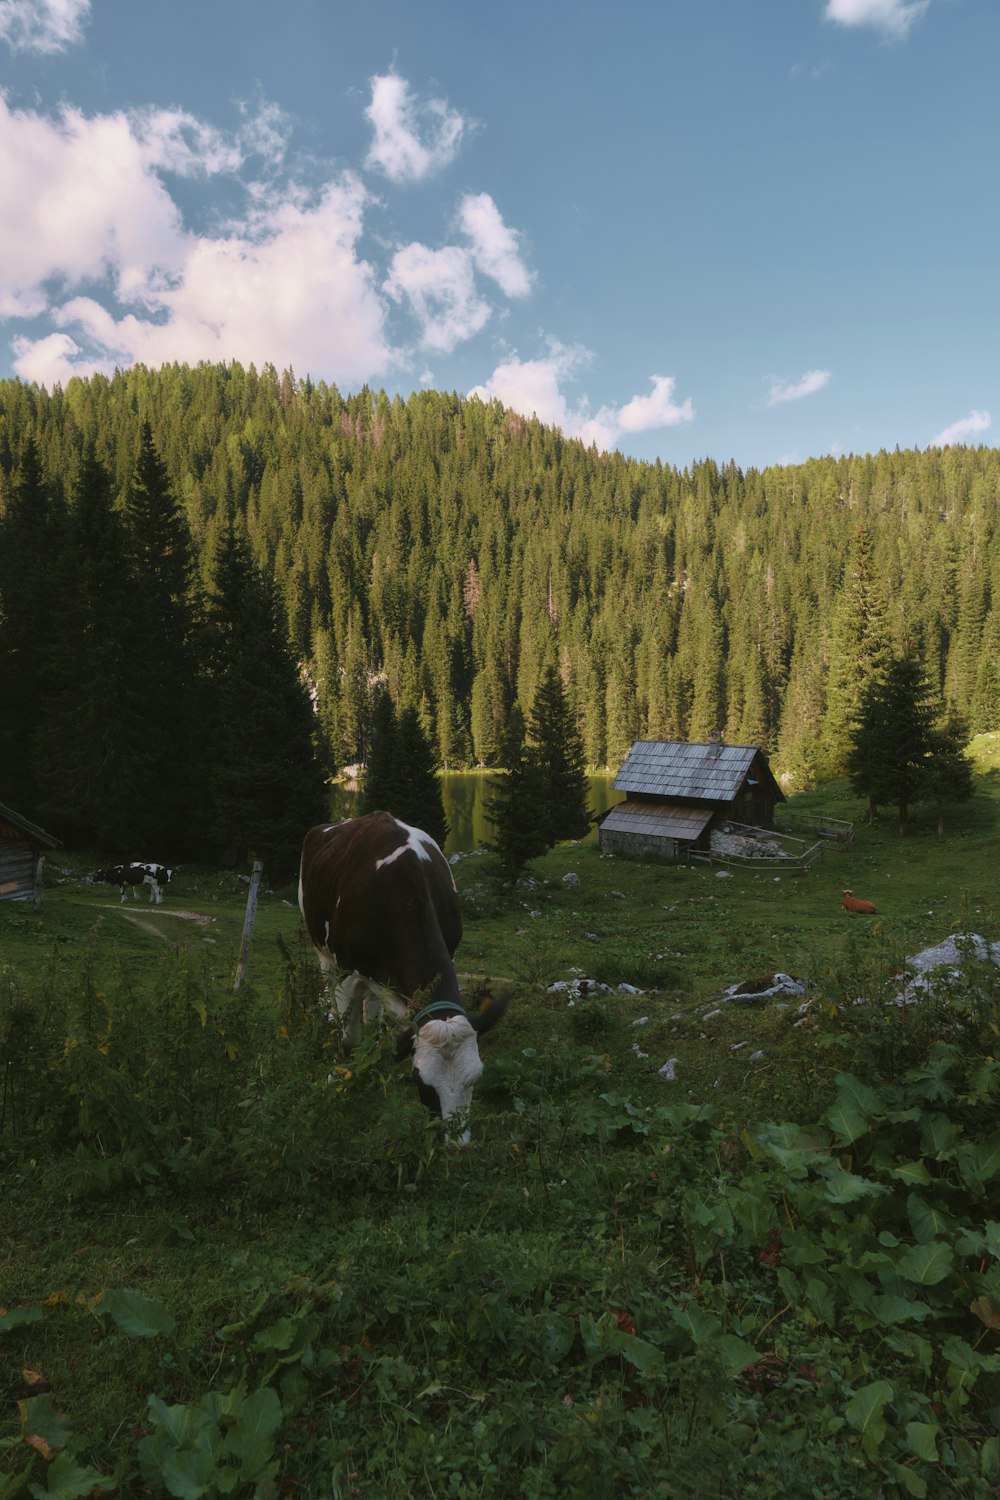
(17, 870)
(638, 846)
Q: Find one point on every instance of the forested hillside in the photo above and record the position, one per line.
(453, 550)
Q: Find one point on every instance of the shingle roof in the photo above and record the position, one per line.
(33, 832)
(673, 768)
(660, 819)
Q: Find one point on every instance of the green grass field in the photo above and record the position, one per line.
(234, 1261)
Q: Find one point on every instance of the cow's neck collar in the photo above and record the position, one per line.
(436, 1008)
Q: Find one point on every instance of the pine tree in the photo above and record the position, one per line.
(515, 805)
(265, 787)
(91, 753)
(421, 803)
(31, 523)
(382, 781)
(892, 738)
(558, 761)
(948, 773)
(163, 675)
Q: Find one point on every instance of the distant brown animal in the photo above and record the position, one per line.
(854, 903)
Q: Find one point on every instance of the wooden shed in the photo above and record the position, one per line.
(22, 854)
(676, 793)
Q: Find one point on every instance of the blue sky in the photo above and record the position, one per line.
(763, 230)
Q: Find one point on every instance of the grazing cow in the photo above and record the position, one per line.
(379, 900)
(854, 903)
(134, 875)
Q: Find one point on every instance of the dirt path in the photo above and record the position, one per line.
(148, 926)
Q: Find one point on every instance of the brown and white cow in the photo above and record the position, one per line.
(379, 901)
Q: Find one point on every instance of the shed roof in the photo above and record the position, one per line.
(31, 831)
(663, 820)
(673, 768)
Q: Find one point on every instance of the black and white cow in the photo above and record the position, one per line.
(379, 901)
(132, 876)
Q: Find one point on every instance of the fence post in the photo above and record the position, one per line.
(248, 921)
(36, 895)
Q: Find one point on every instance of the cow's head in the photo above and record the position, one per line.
(443, 1040)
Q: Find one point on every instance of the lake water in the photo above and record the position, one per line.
(464, 794)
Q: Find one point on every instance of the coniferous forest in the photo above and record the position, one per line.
(190, 557)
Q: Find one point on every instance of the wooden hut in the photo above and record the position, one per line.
(676, 793)
(22, 854)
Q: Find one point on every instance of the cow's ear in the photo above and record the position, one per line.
(404, 1043)
(490, 1011)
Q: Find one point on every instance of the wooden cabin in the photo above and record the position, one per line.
(22, 855)
(676, 793)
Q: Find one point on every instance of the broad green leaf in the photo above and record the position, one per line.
(989, 1459)
(142, 1317)
(892, 1309)
(980, 1163)
(702, 1326)
(913, 1483)
(67, 1481)
(41, 1421)
(252, 1439)
(736, 1354)
(640, 1353)
(847, 1187)
(864, 1412)
(938, 1136)
(19, 1317)
(921, 1438)
(854, 1109)
(912, 1173)
(558, 1332)
(926, 1265)
(288, 1337)
(926, 1221)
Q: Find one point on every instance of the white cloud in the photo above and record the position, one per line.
(42, 25)
(794, 390)
(293, 293)
(894, 17)
(533, 387)
(398, 149)
(441, 290)
(976, 421)
(494, 246)
(78, 199)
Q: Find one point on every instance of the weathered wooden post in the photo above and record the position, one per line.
(36, 898)
(248, 921)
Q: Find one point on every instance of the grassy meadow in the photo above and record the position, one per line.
(235, 1261)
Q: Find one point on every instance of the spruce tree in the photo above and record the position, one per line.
(514, 803)
(91, 755)
(382, 781)
(265, 786)
(31, 522)
(892, 738)
(558, 760)
(948, 774)
(421, 803)
(162, 679)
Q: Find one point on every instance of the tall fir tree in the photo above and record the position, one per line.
(31, 524)
(421, 801)
(163, 685)
(515, 805)
(860, 648)
(93, 782)
(264, 785)
(892, 738)
(382, 790)
(558, 762)
(948, 773)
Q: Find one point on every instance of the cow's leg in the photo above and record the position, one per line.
(350, 998)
